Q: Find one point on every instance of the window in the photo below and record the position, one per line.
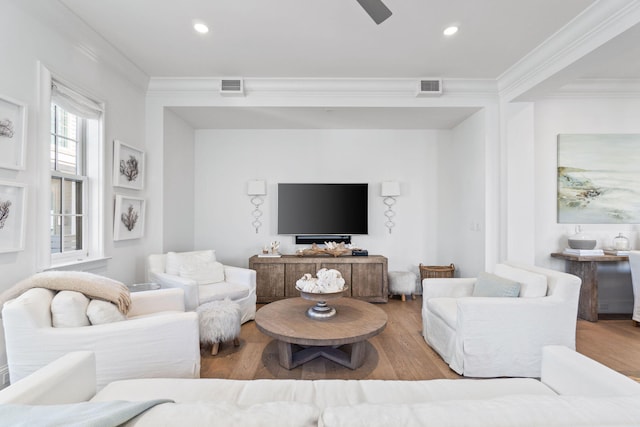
(75, 162)
(67, 181)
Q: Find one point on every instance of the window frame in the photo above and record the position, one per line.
(94, 184)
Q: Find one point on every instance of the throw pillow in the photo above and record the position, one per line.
(203, 273)
(100, 312)
(532, 285)
(490, 285)
(174, 260)
(69, 310)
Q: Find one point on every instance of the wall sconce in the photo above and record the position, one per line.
(390, 190)
(256, 189)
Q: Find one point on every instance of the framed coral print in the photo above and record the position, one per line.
(13, 129)
(128, 221)
(12, 216)
(128, 166)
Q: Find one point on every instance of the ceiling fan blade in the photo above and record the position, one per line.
(376, 10)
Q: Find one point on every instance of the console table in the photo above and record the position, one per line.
(366, 276)
(586, 268)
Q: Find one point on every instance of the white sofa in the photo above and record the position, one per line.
(493, 336)
(573, 391)
(238, 284)
(159, 339)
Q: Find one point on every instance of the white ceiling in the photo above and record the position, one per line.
(325, 38)
(336, 38)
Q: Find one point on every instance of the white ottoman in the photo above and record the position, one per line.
(402, 283)
(219, 322)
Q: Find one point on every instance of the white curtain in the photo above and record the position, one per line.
(74, 102)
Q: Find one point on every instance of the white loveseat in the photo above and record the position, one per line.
(573, 391)
(158, 339)
(196, 273)
(493, 336)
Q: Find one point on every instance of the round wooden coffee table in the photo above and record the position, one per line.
(341, 338)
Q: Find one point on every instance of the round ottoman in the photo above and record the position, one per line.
(219, 322)
(402, 283)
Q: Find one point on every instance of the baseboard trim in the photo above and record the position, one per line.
(4, 376)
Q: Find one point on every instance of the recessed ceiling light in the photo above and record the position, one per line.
(449, 31)
(201, 28)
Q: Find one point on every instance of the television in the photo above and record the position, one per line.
(323, 209)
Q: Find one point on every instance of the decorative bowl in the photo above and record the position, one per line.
(582, 243)
(321, 310)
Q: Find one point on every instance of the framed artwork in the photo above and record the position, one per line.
(598, 179)
(13, 198)
(128, 166)
(128, 221)
(13, 129)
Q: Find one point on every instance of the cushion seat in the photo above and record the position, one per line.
(221, 290)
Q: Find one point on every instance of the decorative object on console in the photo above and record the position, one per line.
(12, 216)
(331, 248)
(581, 240)
(13, 129)
(128, 166)
(390, 190)
(621, 243)
(256, 189)
(128, 218)
(328, 284)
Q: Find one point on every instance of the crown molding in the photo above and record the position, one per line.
(599, 23)
(84, 39)
(599, 88)
(352, 87)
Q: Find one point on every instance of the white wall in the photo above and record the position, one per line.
(461, 203)
(29, 33)
(556, 116)
(226, 159)
(178, 184)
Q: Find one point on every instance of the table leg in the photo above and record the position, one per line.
(587, 271)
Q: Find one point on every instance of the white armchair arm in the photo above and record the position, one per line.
(447, 287)
(171, 299)
(190, 287)
(240, 275)
(504, 332)
(166, 345)
(69, 379)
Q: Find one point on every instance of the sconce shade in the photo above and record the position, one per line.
(390, 189)
(257, 188)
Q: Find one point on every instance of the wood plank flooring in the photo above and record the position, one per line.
(400, 352)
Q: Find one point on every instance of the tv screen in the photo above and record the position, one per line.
(323, 209)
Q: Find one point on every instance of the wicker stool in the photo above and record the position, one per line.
(219, 322)
(402, 283)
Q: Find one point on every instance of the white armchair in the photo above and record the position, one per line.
(634, 264)
(195, 273)
(158, 339)
(494, 336)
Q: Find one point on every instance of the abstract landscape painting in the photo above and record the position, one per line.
(599, 179)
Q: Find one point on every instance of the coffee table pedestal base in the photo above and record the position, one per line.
(349, 355)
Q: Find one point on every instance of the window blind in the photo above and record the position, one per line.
(74, 102)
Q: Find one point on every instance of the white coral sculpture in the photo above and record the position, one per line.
(327, 281)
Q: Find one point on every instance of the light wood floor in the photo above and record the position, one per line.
(400, 352)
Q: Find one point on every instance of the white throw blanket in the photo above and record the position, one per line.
(92, 285)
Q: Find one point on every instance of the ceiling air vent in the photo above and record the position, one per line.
(231, 87)
(430, 87)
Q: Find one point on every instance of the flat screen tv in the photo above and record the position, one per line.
(308, 209)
